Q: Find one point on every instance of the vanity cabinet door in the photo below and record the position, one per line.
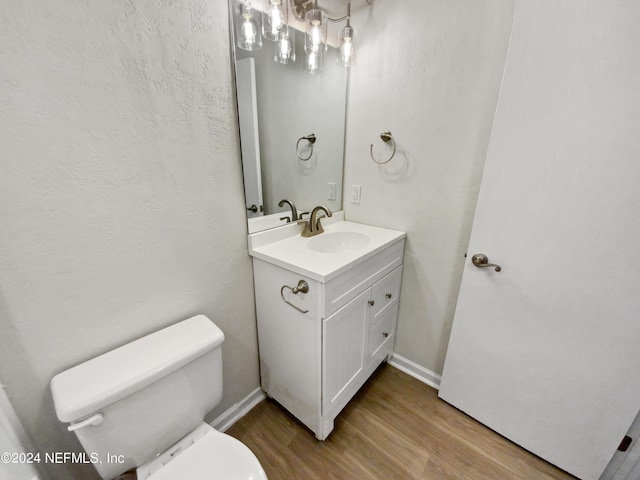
(344, 336)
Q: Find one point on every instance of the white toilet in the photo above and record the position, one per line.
(142, 405)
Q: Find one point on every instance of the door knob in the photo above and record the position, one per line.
(480, 260)
(253, 208)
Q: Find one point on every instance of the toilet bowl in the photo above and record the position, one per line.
(142, 405)
(204, 454)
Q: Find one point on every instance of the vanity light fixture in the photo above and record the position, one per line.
(274, 25)
(316, 34)
(247, 26)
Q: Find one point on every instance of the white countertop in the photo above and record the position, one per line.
(286, 248)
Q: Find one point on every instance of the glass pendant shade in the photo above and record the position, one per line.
(248, 27)
(274, 18)
(286, 46)
(346, 46)
(315, 39)
(313, 62)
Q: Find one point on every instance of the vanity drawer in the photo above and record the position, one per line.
(385, 294)
(382, 336)
(345, 287)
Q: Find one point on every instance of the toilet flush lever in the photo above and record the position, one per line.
(480, 260)
(91, 421)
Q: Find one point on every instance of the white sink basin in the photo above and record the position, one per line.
(334, 242)
(323, 257)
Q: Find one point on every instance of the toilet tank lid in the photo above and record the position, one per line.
(96, 383)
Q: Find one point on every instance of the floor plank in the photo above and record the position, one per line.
(394, 428)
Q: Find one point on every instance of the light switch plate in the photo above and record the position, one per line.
(332, 191)
(355, 193)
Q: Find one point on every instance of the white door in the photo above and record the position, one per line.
(547, 351)
(625, 464)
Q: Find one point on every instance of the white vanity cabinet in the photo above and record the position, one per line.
(317, 350)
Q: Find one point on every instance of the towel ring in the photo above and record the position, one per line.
(301, 287)
(386, 138)
(309, 138)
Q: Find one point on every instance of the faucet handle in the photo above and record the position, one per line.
(307, 231)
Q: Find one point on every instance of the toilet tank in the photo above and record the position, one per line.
(150, 393)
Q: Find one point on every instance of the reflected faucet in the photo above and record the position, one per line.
(313, 226)
(294, 212)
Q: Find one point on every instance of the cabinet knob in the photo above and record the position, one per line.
(372, 302)
(385, 334)
(389, 295)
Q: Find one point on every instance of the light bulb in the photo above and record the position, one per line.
(315, 39)
(274, 19)
(346, 47)
(313, 63)
(346, 50)
(248, 30)
(285, 46)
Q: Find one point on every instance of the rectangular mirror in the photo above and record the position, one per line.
(292, 123)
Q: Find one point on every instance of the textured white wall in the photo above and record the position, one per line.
(429, 71)
(121, 205)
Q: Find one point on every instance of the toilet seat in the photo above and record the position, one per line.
(213, 455)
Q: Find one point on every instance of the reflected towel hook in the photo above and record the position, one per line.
(386, 138)
(309, 138)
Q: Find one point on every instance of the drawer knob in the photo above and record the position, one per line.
(389, 295)
(372, 302)
(385, 334)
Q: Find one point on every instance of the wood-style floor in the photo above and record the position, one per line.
(394, 428)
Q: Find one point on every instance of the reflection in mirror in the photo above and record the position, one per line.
(292, 127)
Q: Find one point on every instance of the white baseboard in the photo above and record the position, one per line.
(416, 371)
(239, 410)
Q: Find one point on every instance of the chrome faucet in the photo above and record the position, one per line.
(294, 212)
(313, 226)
